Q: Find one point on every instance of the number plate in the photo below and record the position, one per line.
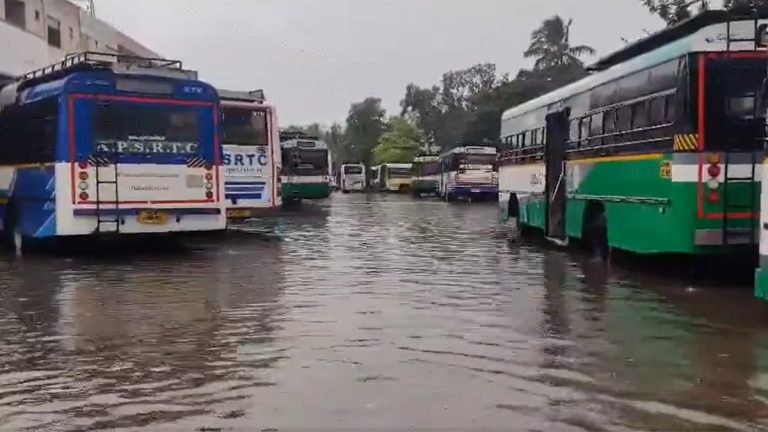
(239, 213)
(152, 217)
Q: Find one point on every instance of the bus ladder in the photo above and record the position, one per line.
(732, 235)
(107, 218)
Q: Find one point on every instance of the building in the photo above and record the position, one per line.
(36, 33)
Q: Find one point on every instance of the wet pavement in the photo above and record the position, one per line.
(374, 313)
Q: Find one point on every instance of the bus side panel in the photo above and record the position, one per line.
(645, 213)
(30, 205)
(248, 172)
(526, 182)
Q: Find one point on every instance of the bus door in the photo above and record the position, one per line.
(554, 158)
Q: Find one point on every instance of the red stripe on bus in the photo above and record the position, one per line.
(702, 129)
(148, 202)
(744, 215)
(151, 101)
(72, 146)
(216, 150)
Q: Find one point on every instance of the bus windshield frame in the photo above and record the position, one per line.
(244, 126)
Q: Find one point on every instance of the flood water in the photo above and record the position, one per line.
(374, 313)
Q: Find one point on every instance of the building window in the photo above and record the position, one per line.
(15, 13)
(54, 32)
(37, 15)
(71, 33)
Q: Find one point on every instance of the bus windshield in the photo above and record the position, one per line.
(306, 162)
(244, 126)
(478, 159)
(399, 172)
(135, 128)
(353, 169)
(426, 168)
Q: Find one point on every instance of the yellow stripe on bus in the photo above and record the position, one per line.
(651, 156)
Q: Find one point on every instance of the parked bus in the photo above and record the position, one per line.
(250, 139)
(426, 175)
(468, 172)
(306, 169)
(352, 178)
(652, 153)
(112, 145)
(393, 177)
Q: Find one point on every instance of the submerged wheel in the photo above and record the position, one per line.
(595, 231)
(18, 241)
(513, 218)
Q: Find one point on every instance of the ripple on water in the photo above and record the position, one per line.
(374, 312)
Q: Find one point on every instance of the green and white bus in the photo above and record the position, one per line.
(654, 152)
(306, 169)
(426, 175)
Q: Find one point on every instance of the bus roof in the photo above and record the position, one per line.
(352, 164)
(470, 150)
(701, 34)
(53, 79)
(397, 165)
(253, 96)
(305, 143)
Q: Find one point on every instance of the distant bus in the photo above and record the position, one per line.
(352, 178)
(250, 139)
(393, 177)
(306, 169)
(426, 175)
(113, 146)
(468, 172)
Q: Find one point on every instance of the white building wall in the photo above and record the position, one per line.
(25, 49)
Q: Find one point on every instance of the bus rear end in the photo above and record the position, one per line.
(143, 157)
(249, 140)
(306, 170)
(352, 178)
(476, 176)
(725, 165)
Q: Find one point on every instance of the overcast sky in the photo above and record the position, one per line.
(314, 57)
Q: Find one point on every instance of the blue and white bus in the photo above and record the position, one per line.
(251, 143)
(101, 144)
(468, 172)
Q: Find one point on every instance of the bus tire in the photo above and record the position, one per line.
(11, 232)
(595, 230)
(344, 191)
(513, 218)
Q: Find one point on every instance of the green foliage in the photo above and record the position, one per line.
(674, 11)
(365, 125)
(551, 48)
(400, 144)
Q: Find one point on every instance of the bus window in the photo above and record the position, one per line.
(244, 126)
(163, 129)
(353, 169)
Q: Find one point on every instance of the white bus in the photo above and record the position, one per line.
(426, 175)
(393, 177)
(352, 178)
(468, 172)
(250, 139)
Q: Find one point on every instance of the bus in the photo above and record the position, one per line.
(109, 145)
(654, 152)
(393, 177)
(250, 141)
(306, 169)
(352, 178)
(468, 172)
(426, 175)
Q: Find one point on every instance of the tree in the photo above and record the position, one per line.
(365, 125)
(550, 45)
(674, 11)
(400, 144)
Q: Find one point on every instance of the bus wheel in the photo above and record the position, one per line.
(513, 218)
(595, 230)
(18, 241)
